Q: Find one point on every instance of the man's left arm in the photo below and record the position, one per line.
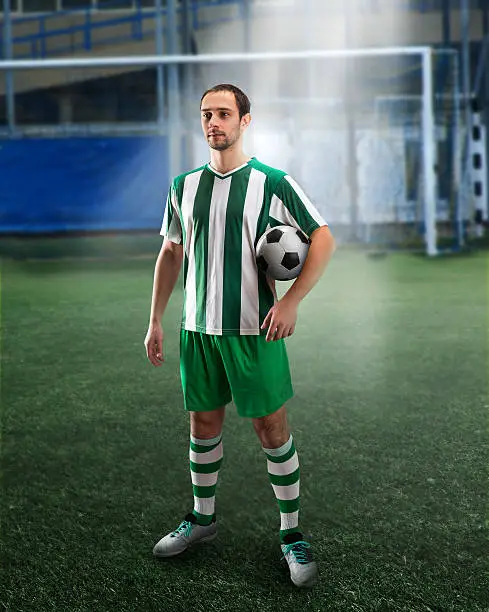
(282, 317)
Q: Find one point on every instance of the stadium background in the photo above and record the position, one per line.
(389, 359)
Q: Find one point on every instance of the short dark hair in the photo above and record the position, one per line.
(242, 100)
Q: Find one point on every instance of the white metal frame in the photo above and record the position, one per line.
(429, 154)
(205, 58)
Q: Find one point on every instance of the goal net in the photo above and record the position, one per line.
(374, 136)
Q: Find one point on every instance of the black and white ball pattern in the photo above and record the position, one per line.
(281, 252)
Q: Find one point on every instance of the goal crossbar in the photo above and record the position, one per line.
(157, 60)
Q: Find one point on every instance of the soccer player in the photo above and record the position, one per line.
(233, 326)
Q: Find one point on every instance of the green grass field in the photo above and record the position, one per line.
(389, 362)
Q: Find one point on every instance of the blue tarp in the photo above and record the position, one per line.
(79, 184)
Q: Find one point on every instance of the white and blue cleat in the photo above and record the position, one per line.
(297, 553)
(189, 532)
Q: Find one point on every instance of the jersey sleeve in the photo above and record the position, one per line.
(291, 206)
(171, 227)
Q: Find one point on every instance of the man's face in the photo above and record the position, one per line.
(220, 120)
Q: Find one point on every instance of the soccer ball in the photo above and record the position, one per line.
(281, 252)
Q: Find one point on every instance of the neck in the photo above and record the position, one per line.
(225, 161)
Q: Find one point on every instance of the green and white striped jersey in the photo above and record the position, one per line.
(219, 219)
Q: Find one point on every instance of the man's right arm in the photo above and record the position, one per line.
(166, 273)
(167, 270)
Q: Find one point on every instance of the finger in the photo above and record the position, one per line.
(267, 319)
(276, 333)
(149, 351)
(152, 358)
(286, 332)
(271, 331)
(158, 345)
(159, 352)
(280, 334)
(154, 355)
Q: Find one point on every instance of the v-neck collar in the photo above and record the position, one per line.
(231, 172)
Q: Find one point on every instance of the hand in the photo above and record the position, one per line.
(154, 344)
(280, 320)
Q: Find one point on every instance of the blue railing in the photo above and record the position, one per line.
(48, 39)
(482, 67)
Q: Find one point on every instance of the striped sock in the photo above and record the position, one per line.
(283, 470)
(205, 461)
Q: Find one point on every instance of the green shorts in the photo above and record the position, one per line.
(248, 370)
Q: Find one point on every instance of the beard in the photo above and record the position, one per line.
(223, 142)
(222, 145)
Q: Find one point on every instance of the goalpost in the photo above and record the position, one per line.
(330, 107)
